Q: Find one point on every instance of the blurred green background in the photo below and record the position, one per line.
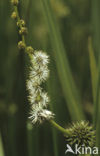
(61, 28)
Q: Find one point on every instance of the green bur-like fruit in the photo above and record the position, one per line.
(81, 133)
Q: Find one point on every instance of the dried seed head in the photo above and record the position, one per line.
(21, 45)
(14, 2)
(81, 133)
(14, 15)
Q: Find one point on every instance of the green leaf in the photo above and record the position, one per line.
(96, 43)
(93, 68)
(1, 147)
(69, 88)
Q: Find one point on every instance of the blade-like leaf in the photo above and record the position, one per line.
(96, 39)
(93, 67)
(1, 147)
(68, 86)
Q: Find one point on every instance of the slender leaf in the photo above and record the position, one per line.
(93, 68)
(69, 89)
(96, 35)
(1, 147)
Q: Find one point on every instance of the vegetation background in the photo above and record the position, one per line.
(64, 29)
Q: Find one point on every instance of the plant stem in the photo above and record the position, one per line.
(57, 126)
(18, 20)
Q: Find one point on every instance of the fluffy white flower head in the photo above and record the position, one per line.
(41, 58)
(38, 115)
(39, 75)
(37, 97)
(39, 71)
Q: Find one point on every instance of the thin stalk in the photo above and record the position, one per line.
(18, 20)
(59, 128)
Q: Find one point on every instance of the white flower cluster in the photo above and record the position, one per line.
(39, 100)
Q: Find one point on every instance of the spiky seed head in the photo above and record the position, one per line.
(14, 15)
(81, 133)
(21, 45)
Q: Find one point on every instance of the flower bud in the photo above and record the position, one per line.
(29, 49)
(23, 31)
(14, 15)
(21, 22)
(14, 2)
(21, 45)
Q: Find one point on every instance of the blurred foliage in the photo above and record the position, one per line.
(61, 10)
(77, 20)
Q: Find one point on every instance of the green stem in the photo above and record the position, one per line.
(18, 20)
(58, 127)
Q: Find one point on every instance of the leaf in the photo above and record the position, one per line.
(66, 79)
(96, 43)
(93, 67)
(1, 147)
